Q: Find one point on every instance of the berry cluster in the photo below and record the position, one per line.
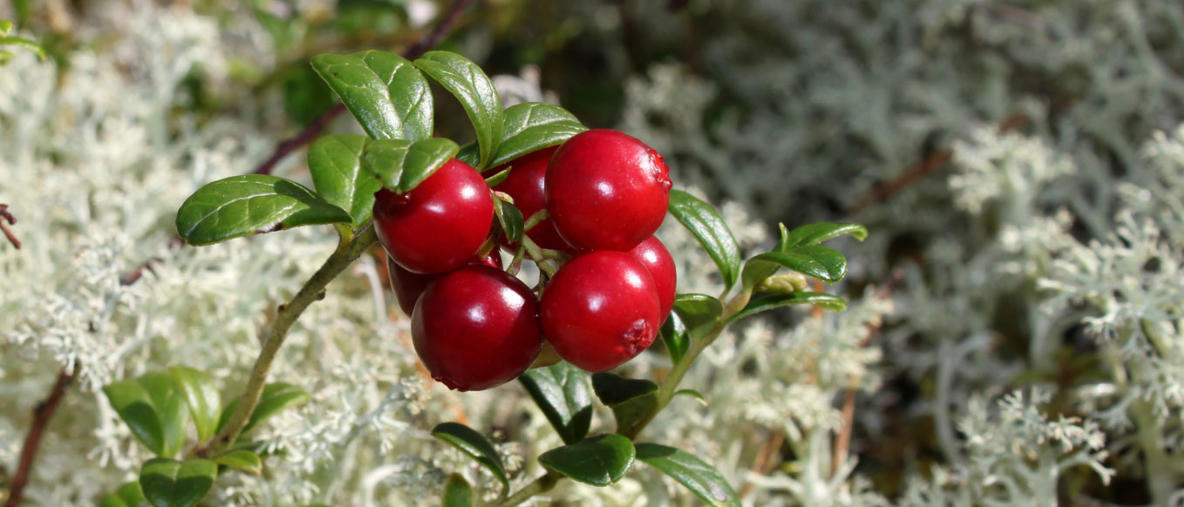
(474, 325)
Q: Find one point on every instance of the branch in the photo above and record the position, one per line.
(41, 416)
(310, 132)
(6, 215)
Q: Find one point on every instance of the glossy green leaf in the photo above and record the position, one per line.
(276, 397)
(335, 163)
(822, 262)
(709, 228)
(470, 154)
(384, 91)
(384, 158)
(532, 126)
(699, 312)
(201, 396)
(128, 495)
(498, 177)
(692, 393)
(599, 461)
(674, 335)
(153, 409)
(251, 204)
(473, 89)
(561, 392)
(693, 473)
(171, 483)
(402, 165)
(457, 492)
(510, 218)
(633, 401)
(242, 459)
(470, 442)
(812, 234)
(770, 301)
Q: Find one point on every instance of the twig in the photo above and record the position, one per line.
(310, 132)
(41, 416)
(889, 188)
(764, 460)
(6, 215)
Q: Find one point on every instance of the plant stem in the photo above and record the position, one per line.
(41, 416)
(541, 485)
(347, 251)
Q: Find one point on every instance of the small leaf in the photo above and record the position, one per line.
(770, 301)
(699, 312)
(128, 495)
(698, 476)
(532, 126)
(510, 219)
(242, 459)
(153, 410)
(633, 401)
(384, 158)
(561, 392)
(709, 228)
(171, 483)
(384, 91)
(813, 234)
(202, 397)
(692, 393)
(457, 492)
(674, 335)
(251, 204)
(469, 154)
(401, 165)
(470, 442)
(31, 45)
(598, 461)
(822, 262)
(473, 89)
(276, 397)
(335, 163)
(498, 177)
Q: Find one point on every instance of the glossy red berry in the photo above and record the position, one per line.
(440, 224)
(652, 254)
(525, 185)
(408, 286)
(476, 328)
(600, 310)
(606, 190)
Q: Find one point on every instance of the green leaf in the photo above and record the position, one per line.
(633, 401)
(510, 219)
(818, 261)
(457, 492)
(251, 204)
(692, 393)
(770, 301)
(384, 91)
(402, 165)
(812, 234)
(153, 410)
(172, 483)
(128, 495)
(698, 476)
(31, 45)
(470, 442)
(202, 397)
(242, 459)
(5, 26)
(335, 163)
(498, 177)
(699, 312)
(473, 89)
(276, 397)
(561, 392)
(470, 154)
(674, 335)
(709, 228)
(598, 461)
(532, 126)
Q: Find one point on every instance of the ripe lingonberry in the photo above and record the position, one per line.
(475, 328)
(606, 190)
(600, 310)
(525, 185)
(440, 224)
(652, 254)
(408, 286)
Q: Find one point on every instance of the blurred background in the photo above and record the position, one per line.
(1014, 331)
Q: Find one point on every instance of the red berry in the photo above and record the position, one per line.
(408, 286)
(606, 190)
(652, 254)
(475, 328)
(440, 224)
(600, 310)
(525, 185)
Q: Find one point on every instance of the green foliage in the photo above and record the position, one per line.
(201, 396)
(243, 460)
(128, 495)
(251, 204)
(532, 126)
(697, 312)
(384, 91)
(694, 473)
(402, 165)
(674, 335)
(473, 89)
(709, 228)
(599, 460)
(561, 392)
(335, 163)
(171, 483)
(457, 492)
(276, 397)
(153, 409)
(633, 401)
(509, 217)
(475, 445)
